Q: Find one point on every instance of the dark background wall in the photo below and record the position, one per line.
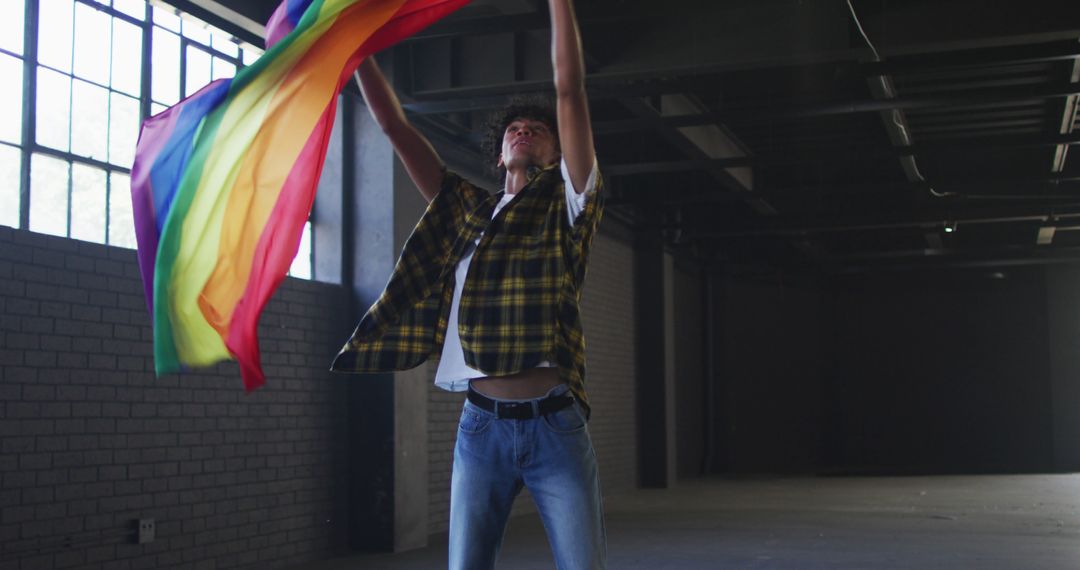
(768, 381)
(939, 371)
(689, 371)
(933, 371)
(91, 440)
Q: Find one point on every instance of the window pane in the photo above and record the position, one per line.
(126, 57)
(11, 86)
(121, 222)
(89, 120)
(92, 41)
(54, 37)
(301, 265)
(11, 25)
(48, 195)
(9, 186)
(223, 43)
(165, 68)
(198, 70)
(123, 129)
(87, 203)
(250, 55)
(53, 105)
(222, 68)
(196, 30)
(156, 108)
(167, 18)
(133, 8)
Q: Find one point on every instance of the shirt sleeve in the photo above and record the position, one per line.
(575, 202)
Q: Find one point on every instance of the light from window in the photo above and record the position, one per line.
(93, 36)
(123, 129)
(10, 159)
(166, 19)
(165, 69)
(121, 221)
(53, 109)
(219, 68)
(48, 195)
(11, 71)
(134, 8)
(195, 30)
(11, 26)
(89, 120)
(126, 58)
(301, 265)
(224, 44)
(198, 70)
(88, 107)
(54, 34)
(87, 203)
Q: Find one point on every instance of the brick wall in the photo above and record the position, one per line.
(611, 331)
(92, 440)
(608, 315)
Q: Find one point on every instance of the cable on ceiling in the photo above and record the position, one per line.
(896, 116)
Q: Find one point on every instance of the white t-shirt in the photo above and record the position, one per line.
(453, 374)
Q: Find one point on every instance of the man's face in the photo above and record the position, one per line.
(528, 142)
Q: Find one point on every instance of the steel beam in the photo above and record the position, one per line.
(906, 260)
(1011, 55)
(973, 145)
(789, 228)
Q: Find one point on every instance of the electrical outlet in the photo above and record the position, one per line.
(146, 529)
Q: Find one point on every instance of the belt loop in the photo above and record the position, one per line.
(496, 410)
(535, 408)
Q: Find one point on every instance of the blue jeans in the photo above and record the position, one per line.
(553, 457)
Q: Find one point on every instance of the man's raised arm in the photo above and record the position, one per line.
(416, 153)
(571, 105)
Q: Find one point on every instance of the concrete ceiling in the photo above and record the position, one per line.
(768, 132)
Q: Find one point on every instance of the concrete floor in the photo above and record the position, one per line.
(977, 522)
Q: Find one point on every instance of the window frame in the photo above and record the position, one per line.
(28, 145)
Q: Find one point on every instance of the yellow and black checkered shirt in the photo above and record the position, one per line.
(520, 303)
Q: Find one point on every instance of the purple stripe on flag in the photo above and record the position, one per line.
(161, 156)
(284, 20)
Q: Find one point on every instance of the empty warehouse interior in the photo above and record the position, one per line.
(832, 311)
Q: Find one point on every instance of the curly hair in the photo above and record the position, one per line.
(535, 107)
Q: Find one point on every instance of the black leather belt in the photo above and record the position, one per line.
(526, 410)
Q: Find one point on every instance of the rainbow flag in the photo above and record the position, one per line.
(223, 181)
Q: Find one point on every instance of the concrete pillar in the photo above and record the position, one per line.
(327, 214)
(656, 367)
(1063, 309)
(388, 425)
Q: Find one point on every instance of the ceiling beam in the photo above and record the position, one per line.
(998, 56)
(234, 16)
(820, 153)
(459, 99)
(1070, 109)
(907, 260)
(737, 183)
(787, 227)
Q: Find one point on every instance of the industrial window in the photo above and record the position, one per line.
(93, 69)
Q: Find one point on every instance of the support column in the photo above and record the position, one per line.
(388, 421)
(656, 363)
(1063, 308)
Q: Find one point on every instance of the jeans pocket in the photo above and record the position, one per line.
(567, 420)
(473, 421)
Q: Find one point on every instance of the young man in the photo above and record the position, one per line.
(490, 285)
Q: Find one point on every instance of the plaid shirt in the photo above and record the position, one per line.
(520, 303)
